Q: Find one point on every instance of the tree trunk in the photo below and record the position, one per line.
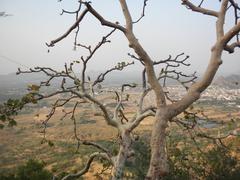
(158, 167)
(123, 154)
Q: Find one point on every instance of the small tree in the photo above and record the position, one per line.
(33, 169)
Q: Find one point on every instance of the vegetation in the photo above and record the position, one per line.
(187, 161)
(33, 169)
(209, 161)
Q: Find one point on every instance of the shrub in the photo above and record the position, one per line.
(32, 170)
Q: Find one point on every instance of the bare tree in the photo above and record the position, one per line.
(80, 91)
(164, 112)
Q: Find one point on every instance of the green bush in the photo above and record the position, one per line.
(186, 162)
(32, 170)
(138, 165)
(223, 165)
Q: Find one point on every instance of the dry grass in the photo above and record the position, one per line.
(23, 142)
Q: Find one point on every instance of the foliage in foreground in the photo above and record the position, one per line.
(187, 161)
(32, 170)
(11, 108)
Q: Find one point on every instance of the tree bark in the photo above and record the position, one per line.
(158, 167)
(93, 105)
(123, 154)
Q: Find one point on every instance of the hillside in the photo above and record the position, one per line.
(231, 81)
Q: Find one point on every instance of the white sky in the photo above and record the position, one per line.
(168, 28)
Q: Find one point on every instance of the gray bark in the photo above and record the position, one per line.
(159, 162)
(123, 154)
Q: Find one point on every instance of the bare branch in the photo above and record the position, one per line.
(72, 12)
(127, 15)
(139, 119)
(79, 18)
(88, 165)
(201, 3)
(141, 99)
(118, 106)
(84, 142)
(119, 67)
(133, 85)
(91, 53)
(199, 9)
(143, 12)
(97, 146)
(103, 21)
(74, 26)
(107, 116)
(230, 48)
(230, 34)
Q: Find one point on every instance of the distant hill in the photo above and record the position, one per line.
(14, 86)
(231, 81)
(20, 81)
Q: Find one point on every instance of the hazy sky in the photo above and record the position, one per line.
(168, 28)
